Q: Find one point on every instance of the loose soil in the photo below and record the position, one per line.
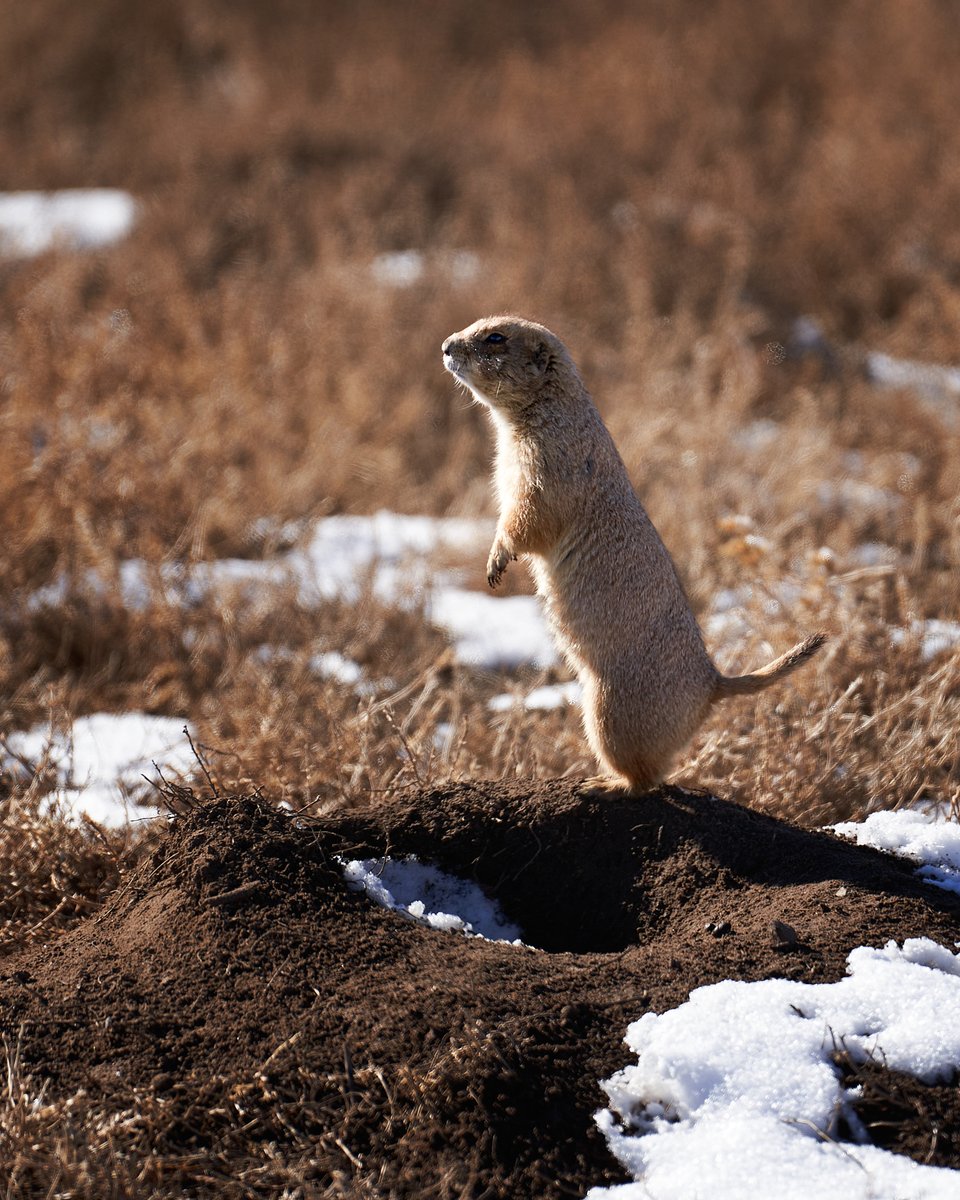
(421, 1062)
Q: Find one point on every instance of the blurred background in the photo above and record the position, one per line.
(742, 219)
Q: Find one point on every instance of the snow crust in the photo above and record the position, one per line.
(431, 897)
(392, 553)
(101, 760)
(731, 618)
(77, 219)
(325, 664)
(733, 1093)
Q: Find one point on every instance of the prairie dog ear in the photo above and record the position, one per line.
(539, 357)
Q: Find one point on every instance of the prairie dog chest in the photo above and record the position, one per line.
(518, 470)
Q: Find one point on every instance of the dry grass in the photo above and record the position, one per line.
(666, 185)
(669, 193)
(54, 873)
(282, 1131)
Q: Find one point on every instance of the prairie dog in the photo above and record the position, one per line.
(609, 586)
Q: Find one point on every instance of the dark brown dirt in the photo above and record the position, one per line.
(448, 1067)
(904, 1115)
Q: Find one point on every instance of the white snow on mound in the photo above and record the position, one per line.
(733, 1094)
(75, 219)
(926, 839)
(426, 894)
(100, 762)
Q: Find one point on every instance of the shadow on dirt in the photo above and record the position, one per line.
(237, 963)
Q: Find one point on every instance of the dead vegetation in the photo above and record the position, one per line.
(668, 193)
(668, 187)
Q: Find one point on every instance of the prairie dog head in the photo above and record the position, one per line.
(506, 361)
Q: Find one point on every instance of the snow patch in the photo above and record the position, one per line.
(493, 632)
(388, 553)
(430, 896)
(925, 838)
(76, 219)
(404, 268)
(873, 554)
(552, 695)
(333, 665)
(757, 436)
(852, 495)
(388, 549)
(399, 269)
(101, 760)
(736, 1086)
(928, 379)
(935, 637)
(732, 615)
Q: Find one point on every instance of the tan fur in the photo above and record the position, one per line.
(609, 586)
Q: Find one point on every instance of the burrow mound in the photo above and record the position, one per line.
(238, 963)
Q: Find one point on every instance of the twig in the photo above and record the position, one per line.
(203, 765)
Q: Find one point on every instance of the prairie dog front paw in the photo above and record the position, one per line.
(497, 563)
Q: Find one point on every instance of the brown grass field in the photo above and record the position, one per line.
(668, 185)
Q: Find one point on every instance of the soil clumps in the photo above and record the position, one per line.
(239, 983)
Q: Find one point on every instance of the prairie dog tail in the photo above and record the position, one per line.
(747, 685)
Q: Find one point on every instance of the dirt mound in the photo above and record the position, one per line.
(239, 984)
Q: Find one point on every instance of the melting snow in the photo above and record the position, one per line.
(400, 268)
(78, 219)
(389, 549)
(392, 553)
(849, 495)
(732, 616)
(873, 554)
(333, 665)
(938, 387)
(431, 896)
(100, 762)
(493, 632)
(327, 664)
(935, 637)
(552, 695)
(388, 552)
(929, 379)
(733, 1093)
(403, 268)
(757, 436)
(926, 839)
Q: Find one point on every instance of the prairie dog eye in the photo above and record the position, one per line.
(494, 339)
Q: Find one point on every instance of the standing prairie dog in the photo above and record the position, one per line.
(608, 583)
